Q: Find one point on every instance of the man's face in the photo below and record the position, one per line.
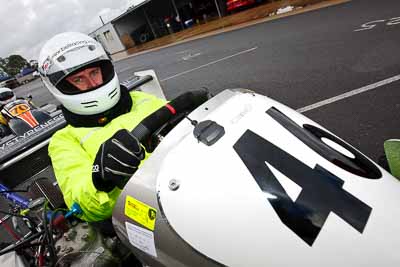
(86, 79)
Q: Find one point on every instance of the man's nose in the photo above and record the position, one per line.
(92, 82)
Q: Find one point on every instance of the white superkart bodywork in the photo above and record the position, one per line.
(235, 203)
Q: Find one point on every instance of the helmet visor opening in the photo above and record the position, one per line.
(6, 95)
(70, 84)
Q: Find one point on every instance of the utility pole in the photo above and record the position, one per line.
(148, 22)
(219, 12)
(101, 20)
(177, 13)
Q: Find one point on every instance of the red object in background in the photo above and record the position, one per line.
(60, 223)
(234, 4)
(9, 230)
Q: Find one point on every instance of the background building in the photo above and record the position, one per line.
(152, 19)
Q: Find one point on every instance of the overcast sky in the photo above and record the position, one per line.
(27, 24)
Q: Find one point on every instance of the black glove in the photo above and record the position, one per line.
(4, 130)
(116, 161)
(184, 103)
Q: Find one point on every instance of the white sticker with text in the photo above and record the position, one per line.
(141, 238)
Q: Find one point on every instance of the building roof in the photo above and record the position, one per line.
(130, 10)
(93, 32)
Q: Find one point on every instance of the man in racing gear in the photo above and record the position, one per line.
(6, 96)
(95, 154)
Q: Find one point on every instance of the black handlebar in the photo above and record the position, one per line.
(182, 104)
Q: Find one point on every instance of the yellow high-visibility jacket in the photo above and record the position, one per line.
(73, 149)
(3, 120)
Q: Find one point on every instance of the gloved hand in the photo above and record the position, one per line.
(4, 130)
(116, 161)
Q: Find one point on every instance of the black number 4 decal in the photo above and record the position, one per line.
(322, 192)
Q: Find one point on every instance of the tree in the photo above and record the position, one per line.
(3, 64)
(14, 64)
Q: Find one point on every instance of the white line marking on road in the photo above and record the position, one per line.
(208, 64)
(366, 26)
(349, 94)
(125, 69)
(187, 57)
(182, 52)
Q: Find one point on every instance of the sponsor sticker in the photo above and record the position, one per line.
(46, 65)
(140, 212)
(38, 130)
(141, 238)
(19, 109)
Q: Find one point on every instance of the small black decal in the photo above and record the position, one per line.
(321, 193)
(152, 214)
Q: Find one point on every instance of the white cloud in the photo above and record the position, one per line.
(27, 24)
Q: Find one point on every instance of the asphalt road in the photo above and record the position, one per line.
(298, 60)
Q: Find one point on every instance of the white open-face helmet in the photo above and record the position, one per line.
(6, 96)
(68, 53)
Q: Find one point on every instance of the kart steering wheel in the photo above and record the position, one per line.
(167, 117)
